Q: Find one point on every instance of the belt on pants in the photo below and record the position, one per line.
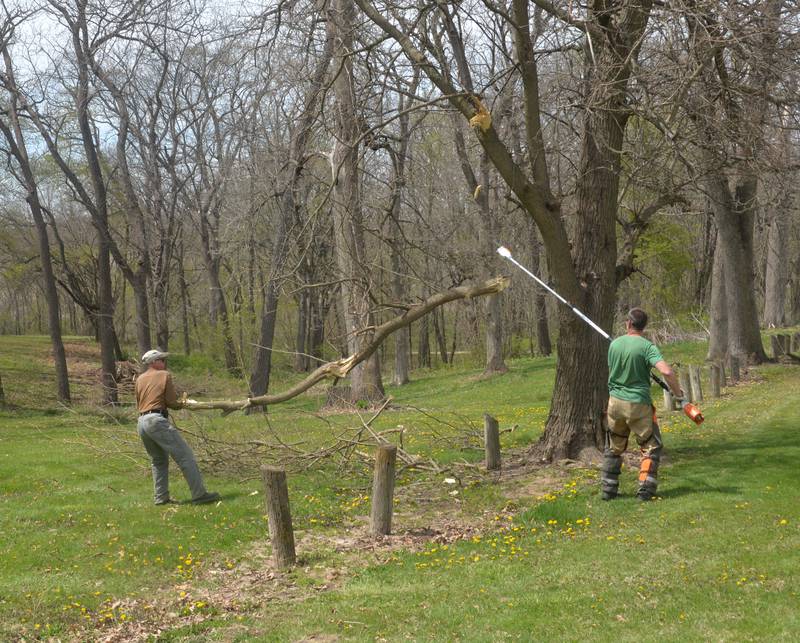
(162, 412)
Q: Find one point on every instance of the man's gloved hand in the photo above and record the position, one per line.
(183, 399)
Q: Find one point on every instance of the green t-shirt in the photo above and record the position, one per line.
(630, 359)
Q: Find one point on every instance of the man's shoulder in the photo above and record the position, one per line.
(152, 374)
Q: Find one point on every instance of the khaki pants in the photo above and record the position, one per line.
(625, 418)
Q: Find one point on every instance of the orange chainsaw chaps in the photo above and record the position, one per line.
(645, 468)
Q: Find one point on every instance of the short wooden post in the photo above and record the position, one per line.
(734, 369)
(796, 343)
(491, 433)
(715, 380)
(383, 491)
(669, 403)
(775, 344)
(697, 389)
(686, 385)
(280, 519)
(786, 344)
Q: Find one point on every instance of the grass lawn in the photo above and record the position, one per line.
(530, 555)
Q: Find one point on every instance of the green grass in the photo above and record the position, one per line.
(84, 553)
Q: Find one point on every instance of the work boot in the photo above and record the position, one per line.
(168, 501)
(644, 495)
(607, 495)
(206, 498)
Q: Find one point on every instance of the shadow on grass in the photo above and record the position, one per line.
(690, 490)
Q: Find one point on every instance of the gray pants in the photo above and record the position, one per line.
(162, 440)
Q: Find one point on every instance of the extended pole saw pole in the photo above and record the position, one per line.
(691, 410)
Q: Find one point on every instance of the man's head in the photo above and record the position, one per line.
(637, 319)
(154, 356)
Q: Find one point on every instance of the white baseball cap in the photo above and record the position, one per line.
(153, 355)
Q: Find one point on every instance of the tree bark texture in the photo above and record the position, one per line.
(365, 381)
(281, 534)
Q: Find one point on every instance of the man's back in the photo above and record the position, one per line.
(155, 391)
(630, 359)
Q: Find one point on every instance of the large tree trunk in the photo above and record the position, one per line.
(778, 260)
(581, 394)
(587, 274)
(350, 247)
(777, 274)
(718, 310)
(402, 350)
(734, 218)
(539, 301)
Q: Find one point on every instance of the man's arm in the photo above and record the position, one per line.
(170, 395)
(670, 377)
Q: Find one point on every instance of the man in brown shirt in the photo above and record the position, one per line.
(155, 394)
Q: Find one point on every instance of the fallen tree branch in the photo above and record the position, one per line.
(340, 368)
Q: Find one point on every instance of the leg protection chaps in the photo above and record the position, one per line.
(651, 457)
(609, 477)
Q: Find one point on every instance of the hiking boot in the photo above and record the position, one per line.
(607, 496)
(644, 496)
(168, 501)
(206, 498)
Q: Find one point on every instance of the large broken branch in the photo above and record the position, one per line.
(342, 367)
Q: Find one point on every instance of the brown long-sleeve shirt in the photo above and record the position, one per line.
(155, 391)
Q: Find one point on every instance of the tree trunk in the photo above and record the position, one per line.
(437, 317)
(350, 247)
(402, 355)
(734, 218)
(262, 355)
(539, 300)
(424, 344)
(718, 310)
(778, 259)
(16, 142)
(580, 395)
(218, 311)
(301, 337)
(776, 277)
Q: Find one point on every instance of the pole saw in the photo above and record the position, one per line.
(691, 411)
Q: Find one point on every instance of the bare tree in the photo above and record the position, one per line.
(290, 202)
(583, 263)
(12, 131)
(350, 245)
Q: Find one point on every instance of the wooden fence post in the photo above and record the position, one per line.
(686, 385)
(281, 534)
(669, 403)
(383, 491)
(491, 433)
(715, 380)
(697, 389)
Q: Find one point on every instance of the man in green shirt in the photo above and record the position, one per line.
(630, 407)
